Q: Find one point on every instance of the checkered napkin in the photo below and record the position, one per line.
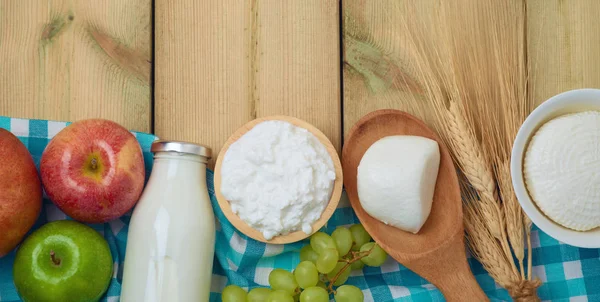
(568, 273)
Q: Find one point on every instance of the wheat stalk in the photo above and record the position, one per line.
(441, 85)
(475, 78)
(472, 77)
(482, 243)
(506, 108)
(527, 223)
(472, 163)
(503, 87)
(514, 217)
(509, 44)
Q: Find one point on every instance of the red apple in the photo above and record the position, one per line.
(20, 192)
(93, 170)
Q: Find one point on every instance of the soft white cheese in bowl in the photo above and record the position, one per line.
(554, 167)
(562, 170)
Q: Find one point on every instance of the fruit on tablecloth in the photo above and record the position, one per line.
(233, 293)
(63, 261)
(280, 296)
(359, 235)
(20, 192)
(320, 241)
(342, 264)
(349, 293)
(314, 294)
(343, 240)
(342, 277)
(280, 279)
(93, 170)
(259, 294)
(305, 284)
(327, 260)
(308, 254)
(306, 274)
(357, 265)
(376, 257)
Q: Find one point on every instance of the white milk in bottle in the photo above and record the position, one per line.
(170, 245)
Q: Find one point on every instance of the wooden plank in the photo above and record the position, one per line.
(69, 60)
(563, 46)
(378, 68)
(222, 63)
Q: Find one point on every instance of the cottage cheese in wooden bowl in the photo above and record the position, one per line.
(278, 179)
(555, 167)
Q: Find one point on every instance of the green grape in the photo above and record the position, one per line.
(349, 293)
(376, 257)
(336, 270)
(327, 260)
(320, 241)
(343, 277)
(343, 240)
(314, 294)
(306, 274)
(322, 285)
(308, 254)
(259, 294)
(280, 296)
(233, 293)
(357, 265)
(280, 279)
(359, 236)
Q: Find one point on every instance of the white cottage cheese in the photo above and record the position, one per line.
(278, 178)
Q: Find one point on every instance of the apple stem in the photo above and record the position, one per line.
(55, 259)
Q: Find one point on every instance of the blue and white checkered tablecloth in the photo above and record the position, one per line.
(569, 273)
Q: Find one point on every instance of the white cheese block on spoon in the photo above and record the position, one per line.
(396, 180)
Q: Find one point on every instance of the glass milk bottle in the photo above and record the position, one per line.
(170, 246)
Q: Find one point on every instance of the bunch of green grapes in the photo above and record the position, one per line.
(326, 262)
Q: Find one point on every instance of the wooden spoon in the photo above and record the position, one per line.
(241, 225)
(437, 252)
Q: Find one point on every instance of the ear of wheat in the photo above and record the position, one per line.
(472, 67)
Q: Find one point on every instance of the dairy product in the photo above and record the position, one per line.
(396, 180)
(278, 178)
(562, 170)
(171, 239)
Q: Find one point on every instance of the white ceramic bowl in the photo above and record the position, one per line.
(564, 103)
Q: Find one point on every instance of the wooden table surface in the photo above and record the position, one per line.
(197, 70)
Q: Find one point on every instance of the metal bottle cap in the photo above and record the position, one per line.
(182, 147)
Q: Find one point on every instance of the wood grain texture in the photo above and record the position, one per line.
(297, 235)
(69, 60)
(221, 63)
(563, 46)
(378, 69)
(437, 252)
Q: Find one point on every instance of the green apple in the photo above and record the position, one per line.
(63, 261)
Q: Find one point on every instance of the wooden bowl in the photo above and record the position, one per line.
(437, 251)
(241, 225)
